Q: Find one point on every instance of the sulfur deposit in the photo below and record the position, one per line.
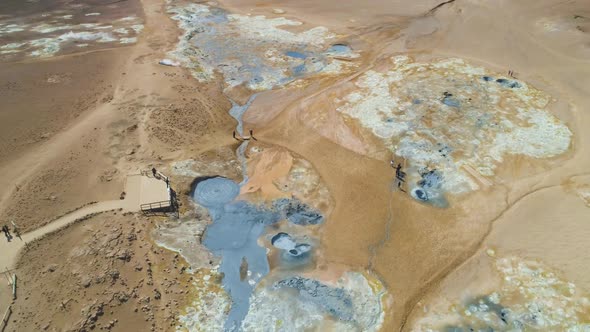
(253, 50)
(446, 116)
(353, 303)
(531, 297)
(45, 40)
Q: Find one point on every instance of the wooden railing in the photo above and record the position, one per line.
(159, 175)
(156, 205)
(6, 318)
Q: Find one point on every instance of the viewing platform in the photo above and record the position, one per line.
(154, 192)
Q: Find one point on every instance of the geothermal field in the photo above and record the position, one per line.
(237, 165)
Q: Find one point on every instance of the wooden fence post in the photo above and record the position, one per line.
(6, 318)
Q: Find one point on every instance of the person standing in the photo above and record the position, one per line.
(6, 232)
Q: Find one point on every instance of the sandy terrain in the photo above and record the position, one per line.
(94, 149)
(116, 123)
(489, 233)
(26, 121)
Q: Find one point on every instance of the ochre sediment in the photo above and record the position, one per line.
(394, 165)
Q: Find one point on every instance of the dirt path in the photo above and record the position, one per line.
(141, 62)
(10, 250)
(18, 171)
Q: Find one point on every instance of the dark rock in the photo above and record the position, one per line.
(297, 212)
(335, 301)
(508, 83)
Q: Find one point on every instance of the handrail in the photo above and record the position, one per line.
(6, 317)
(155, 205)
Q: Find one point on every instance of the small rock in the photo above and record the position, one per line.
(168, 62)
(86, 282)
(278, 11)
(123, 297)
(114, 275)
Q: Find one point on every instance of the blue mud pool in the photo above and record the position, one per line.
(234, 234)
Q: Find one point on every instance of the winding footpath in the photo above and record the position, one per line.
(9, 251)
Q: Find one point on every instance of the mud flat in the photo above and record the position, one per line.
(462, 131)
(503, 174)
(444, 117)
(300, 224)
(244, 264)
(257, 51)
(256, 285)
(524, 277)
(42, 30)
(532, 243)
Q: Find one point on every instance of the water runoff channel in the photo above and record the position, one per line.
(235, 229)
(237, 225)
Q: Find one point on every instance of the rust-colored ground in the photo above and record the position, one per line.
(73, 126)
